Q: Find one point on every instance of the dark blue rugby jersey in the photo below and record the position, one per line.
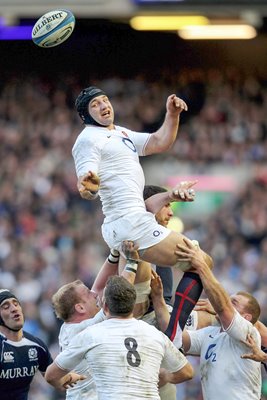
(18, 364)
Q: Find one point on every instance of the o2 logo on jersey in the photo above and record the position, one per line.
(210, 354)
(129, 144)
(157, 233)
(32, 353)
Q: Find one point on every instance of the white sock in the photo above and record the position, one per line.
(178, 338)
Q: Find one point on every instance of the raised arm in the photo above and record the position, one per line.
(215, 292)
(183, 192)
(110, 267)
(131, 261)
(164, 137)
(159, 305)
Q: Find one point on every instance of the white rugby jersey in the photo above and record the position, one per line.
(224, 375)
(114, 156)
(83, 389)
(124, 356)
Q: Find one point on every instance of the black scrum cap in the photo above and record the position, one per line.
(84, 99)
(4, 295)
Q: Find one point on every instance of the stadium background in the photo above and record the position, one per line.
(48, 235)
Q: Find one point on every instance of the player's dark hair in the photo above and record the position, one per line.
(6, 294)
(83, 101)
(252, 307)
(150, 190)
(120, 296)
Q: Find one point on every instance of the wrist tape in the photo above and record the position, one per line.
(114, 256)
(131, 265)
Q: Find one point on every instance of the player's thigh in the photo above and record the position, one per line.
(163, 253)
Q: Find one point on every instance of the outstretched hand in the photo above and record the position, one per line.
(163, 377)
(183, 191)
(256, 353)
(190, 252)
(88, 185)
(205, 305)
(89, 182)
(156, 285)
(175, 105)
(72, 379)
(130, 250)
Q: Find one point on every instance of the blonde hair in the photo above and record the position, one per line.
(65, 298)
(252, 307)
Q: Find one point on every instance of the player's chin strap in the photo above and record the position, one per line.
(11, 329)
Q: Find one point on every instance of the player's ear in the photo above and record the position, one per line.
(79, 307)
(247, 316)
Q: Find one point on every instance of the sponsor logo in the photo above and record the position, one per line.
(157, 233)
(8, 356)
(12, 373)
(129, 144)
(46, 21)
(210, 353)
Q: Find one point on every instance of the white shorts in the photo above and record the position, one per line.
(141, 228)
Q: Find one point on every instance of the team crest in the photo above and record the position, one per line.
(32, 353)
(189, 321)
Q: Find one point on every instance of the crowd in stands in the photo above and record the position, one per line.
(50, 236)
